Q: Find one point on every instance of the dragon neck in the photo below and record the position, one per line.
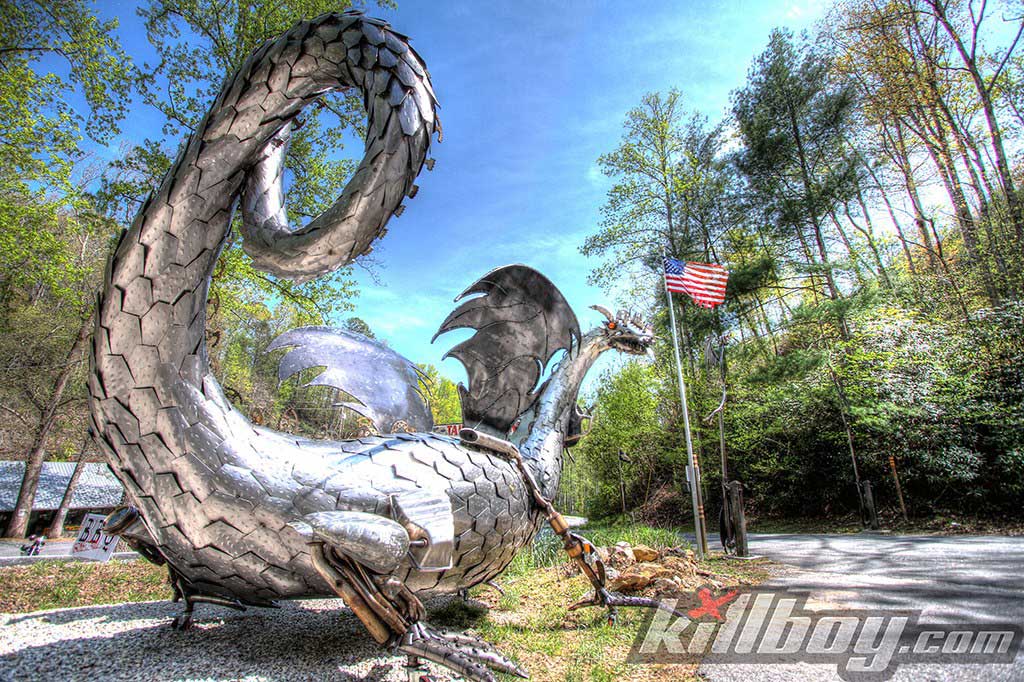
(544, 426)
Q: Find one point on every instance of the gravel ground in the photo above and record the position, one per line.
(307, 640)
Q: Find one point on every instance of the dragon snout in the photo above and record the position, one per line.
(627, 331)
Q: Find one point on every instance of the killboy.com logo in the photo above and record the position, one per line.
(766, 627)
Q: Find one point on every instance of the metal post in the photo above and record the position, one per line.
(622, 483)
(693, 472)
(869, 503)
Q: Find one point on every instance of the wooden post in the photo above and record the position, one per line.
(739, 520)
(899, 490)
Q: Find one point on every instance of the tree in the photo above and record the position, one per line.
(639, 217)
(50, 52)
(442, 394)
(359, 326)
(963, 25)
(42, 127)
(626, 417)
(792, 121)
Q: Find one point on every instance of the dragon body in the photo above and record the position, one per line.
(244, 515)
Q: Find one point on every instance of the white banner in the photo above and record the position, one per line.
(92, 542)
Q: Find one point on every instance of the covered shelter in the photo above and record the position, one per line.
(98, 491)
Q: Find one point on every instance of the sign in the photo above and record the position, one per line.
(92, 542)
(448, 429)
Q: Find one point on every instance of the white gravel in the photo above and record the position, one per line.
(307, 640)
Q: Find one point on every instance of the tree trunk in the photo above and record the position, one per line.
(855, 259)
(57, 525)
(34, 465)
(988, 107)
(901, 157)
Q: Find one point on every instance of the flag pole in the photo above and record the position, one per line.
(692, 470)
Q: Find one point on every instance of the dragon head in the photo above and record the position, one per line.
(626, 332)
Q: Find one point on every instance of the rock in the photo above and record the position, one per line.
(681, 551)
(680, 566)
(665, 586)
(621, 555)
(635, 578)
(645, 553)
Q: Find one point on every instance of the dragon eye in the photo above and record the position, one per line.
(612, 325)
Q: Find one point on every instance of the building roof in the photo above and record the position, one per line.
(97, 487)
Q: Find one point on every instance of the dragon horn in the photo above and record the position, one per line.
(604, 311)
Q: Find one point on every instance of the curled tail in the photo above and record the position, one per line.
(158, 411)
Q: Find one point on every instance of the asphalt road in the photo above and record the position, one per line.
(10, 552)
(959, 579)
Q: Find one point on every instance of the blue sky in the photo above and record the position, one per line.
(531, 94)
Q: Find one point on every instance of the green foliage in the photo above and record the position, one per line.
(42, 129)
(847, 343)
(626, 418)
(442, 394)
(52, 52)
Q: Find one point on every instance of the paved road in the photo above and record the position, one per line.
(12, 548)
(958, 579)
(10, 552)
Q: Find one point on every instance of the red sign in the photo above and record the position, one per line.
(448, 429)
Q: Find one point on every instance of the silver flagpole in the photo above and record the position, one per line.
(692, 473)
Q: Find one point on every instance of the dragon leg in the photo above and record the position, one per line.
(185, 592)
(393, 616)
(579, 549)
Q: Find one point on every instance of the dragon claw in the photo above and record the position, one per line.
(471, 657)
(613, 600)
(182, 623)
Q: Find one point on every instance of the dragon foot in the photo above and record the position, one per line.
(184, 621)
(471, 657)
(393, 615)
(613, 600)
(183, 591)
(590, 564)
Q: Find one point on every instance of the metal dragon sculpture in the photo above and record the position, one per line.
(243, 515)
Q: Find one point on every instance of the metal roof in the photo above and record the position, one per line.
(97, 487)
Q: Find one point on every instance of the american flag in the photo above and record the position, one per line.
(704, 282)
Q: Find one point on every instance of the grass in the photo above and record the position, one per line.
(547, 550)
(530, 622)
(62, 584)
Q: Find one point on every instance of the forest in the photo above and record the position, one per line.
(865, 195)
(864, 192)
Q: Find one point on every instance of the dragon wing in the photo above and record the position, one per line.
(521, 321)
(385, 384)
